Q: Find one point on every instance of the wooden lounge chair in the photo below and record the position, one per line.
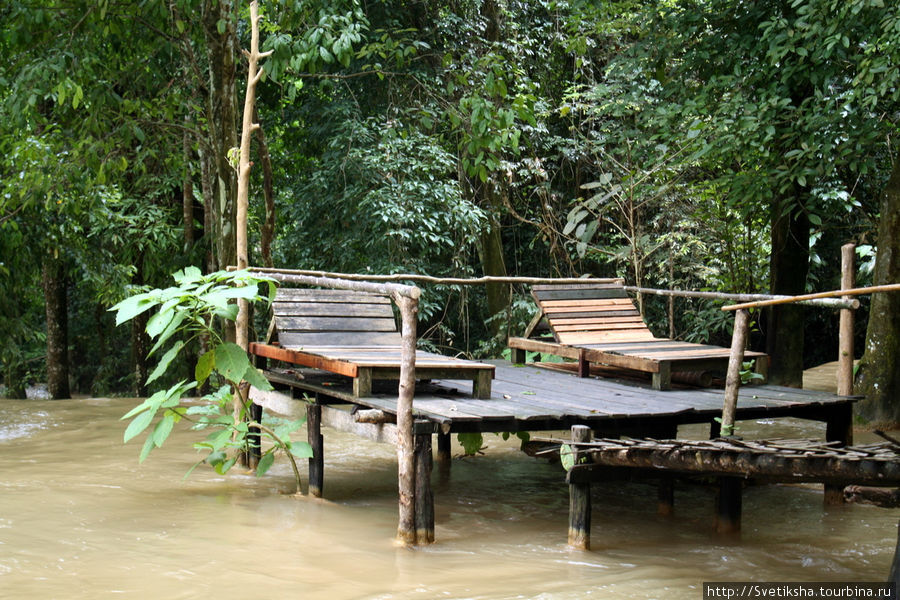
(598, 323)
(354, 334)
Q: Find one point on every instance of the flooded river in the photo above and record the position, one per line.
(80, 518)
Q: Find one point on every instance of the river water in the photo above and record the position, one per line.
(80, 518)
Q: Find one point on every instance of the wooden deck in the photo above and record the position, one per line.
(531, 398)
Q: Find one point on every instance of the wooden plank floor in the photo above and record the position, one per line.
(530, 398)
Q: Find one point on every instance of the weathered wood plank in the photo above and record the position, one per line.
(350, 323)
(294, 339)
(578, 293)
(285, 294)
(304, 359)
(330, 309)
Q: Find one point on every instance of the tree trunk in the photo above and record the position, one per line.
(789, 267)
(267, 233)
(140, 341)
(222, 124)
(879, 376)
(53, 280)
(187, 194)
(493, 262)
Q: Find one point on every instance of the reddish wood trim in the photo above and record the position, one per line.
(304, 359)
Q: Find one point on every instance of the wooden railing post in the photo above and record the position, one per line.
(733, 377)
(406, 457)
(845, 332)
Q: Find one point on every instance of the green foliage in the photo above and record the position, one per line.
(183, 313)
(472, 443)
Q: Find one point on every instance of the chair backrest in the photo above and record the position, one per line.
(316, 318)
(590, 313)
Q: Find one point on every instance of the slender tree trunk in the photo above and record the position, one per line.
(53, 280)
(222, 54)
(268, 228)
(879, 371)
(187, 194)
(789, 267)
(493, 261)
(140, 341)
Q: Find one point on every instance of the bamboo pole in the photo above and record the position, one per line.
(826, 302)
(733, 377)
(439, 280)
(891, 287)
(845, 330)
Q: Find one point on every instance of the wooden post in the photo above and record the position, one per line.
(728, 505)
(317, 441)
(662, 379)
(580, 498)
(481, 384)
(845, 335)
(406, 459)
(254, 437)
(733, 378)
(362, 383)
(838, 428)
(584, 365)
(424, 495)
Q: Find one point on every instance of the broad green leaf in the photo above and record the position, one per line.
(205, 365)
(265, 463)
(471, 442)
(255, 378)
(164, 362)
(145, 451)
(224, 467)
(170, 329)
(231, 362)
(131, 307)
(163, 429)
(567, 457)
(147, 403)
(138, 424)
(300, 449)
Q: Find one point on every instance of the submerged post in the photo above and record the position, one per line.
(580, 496)
(406, 458)
(733, 377)
(845, 331)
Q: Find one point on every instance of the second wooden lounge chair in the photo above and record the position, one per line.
(598, 323)
(354, 334)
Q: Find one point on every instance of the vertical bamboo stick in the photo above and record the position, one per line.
(845, 335)
(406, 461)
(733, 378)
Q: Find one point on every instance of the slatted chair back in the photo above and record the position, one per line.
(591, 313)
(307, 318)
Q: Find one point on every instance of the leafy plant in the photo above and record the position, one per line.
(187, 312)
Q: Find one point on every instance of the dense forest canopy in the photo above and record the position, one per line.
(702, 144)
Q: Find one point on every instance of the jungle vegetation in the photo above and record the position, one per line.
(693, 144)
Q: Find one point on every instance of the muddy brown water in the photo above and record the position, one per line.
(80, 518)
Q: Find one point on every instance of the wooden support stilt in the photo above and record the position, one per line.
(728, 505)
(584, 365)
(662, 380)
(406, 459)
(666, 497)
(481, 385)
(424, 494)
(254, 438)
(715, 430)
(317, 462)
(580, 498)
(362, 383)
(517, 356)
(838, 428)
